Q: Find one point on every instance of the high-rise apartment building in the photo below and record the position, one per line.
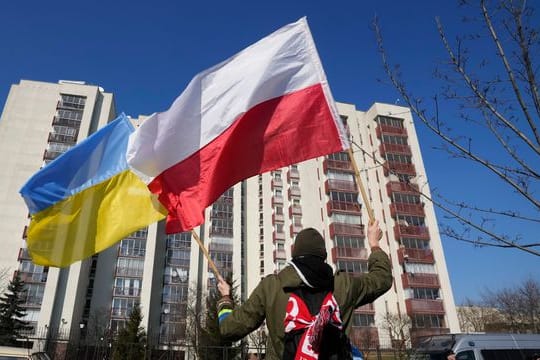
(248, 231)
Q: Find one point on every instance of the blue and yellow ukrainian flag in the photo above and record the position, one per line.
(87, 199)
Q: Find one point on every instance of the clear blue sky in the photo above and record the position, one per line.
(146, 52)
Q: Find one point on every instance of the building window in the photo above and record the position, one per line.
(412, 243)
(428, 321)
(390, 121)
(344, 197)
(352, 266)
(367, 320)
(132, 247)
(393, 139)
(416, 268)
(349, 241)
(405, 198)
(399, 158)
(426, 293)
(339, 156)
(407, 220)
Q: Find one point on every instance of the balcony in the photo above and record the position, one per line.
(23, 254)
(416, 255)
(278, 236)
(280, 255)
(129, 292)
(277, 183)
(396, 186)
(277, 200)
(344, 166)
(51, 155)
(295, 210)
(278, 218)
(420, 280)
(407, 209)
(220, 247)
(76, 124)
(420, 232)
(424, 306)
(294, 191)
(66, 139)
(340, 185)
(394, 149)
(346, 229)
(397, 167)
(295, 229)
(390, 130)
(341, 252)
(34, 277)
(344, 207)
(293, 174)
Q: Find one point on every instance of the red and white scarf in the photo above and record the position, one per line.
(298, 317)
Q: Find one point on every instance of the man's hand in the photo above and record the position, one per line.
(223, 287)
(374, 233)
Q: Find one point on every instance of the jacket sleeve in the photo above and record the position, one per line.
(236, 323)
(378, 280)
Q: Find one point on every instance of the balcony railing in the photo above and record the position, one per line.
(213, 246)
(278, 235)
(420, 280)
(416, 255)
(279, 254)
(364, 337)
(57, 120)
(277, 183)
(295, 229)
(406, 209)
(294, 191)
(122, 291)
(277, 200)
(402, 187)
(33, 277)
(394, 149)
(397, 167)
(341, 252)
(424, 306)
(295, 210)
(346, 229)
(340, 185)
(23, 254)
(277, 217)
(420, 232)
(341, 206)
(67, 139)
(51, 155)
(387, 129)
(293, 174)
(340, 165)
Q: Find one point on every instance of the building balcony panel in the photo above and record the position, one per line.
(416, 255)
(420, 232)
(406, 209)
(401, 187)
(35, 277)
(67, 139)
(293, 174)
(394, 149)
(277, 218)
(341, 252)
(295, 210)
(51, 155)
(294, 191)
(340, 185)
(277, 183)
(410, 280)
(346, 229)
(23, 254)
(57, 120)
(424, 306)
(400, 168)
(280, 254)
(277, 200)
(344, 166)
(295, 229)
(278, 236)
(343, 207)
(390, 130)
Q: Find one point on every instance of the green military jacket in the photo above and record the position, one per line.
(268, 301)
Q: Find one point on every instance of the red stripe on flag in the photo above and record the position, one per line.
(278, 132)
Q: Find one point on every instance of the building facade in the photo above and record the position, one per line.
(248, 231)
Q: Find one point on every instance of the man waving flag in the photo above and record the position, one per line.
(267, 107)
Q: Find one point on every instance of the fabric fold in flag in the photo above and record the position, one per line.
(267, 107)
(87, 199)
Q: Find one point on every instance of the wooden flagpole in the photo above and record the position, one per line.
(206, 254)
(360, 186)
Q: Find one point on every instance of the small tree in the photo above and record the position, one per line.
(12, 312)
(130, 341)
(398, 327)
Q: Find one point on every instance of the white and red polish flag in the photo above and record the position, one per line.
(267, 107)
